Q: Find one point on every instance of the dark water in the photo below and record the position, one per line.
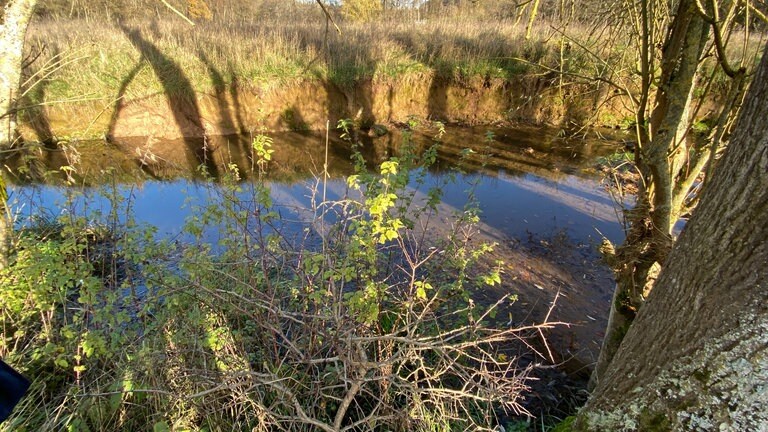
(527, 181)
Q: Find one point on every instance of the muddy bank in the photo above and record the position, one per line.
(309, 104)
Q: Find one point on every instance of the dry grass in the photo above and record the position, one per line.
(263, 44)
(258, 51)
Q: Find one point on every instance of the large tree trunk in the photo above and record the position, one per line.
(13, 27)
(696, 356)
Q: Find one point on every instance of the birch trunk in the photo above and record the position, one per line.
(13, 27)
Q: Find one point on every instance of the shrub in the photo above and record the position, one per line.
(361, 10)
(348, 320)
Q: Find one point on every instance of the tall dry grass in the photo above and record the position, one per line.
(262, 49)
(266, 43)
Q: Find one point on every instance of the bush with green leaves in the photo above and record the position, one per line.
(349, 317)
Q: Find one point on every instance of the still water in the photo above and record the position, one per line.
(526, 181)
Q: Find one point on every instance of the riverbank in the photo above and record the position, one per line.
(165, 79)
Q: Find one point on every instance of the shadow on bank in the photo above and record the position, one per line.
(181, 99)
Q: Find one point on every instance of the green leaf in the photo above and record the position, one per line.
(389, 167)
(93, 344)
(421, 289)
(421, 293)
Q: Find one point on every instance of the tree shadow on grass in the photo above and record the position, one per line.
(227, 123)
(36, 117)
(234, 93)
(181, 99)
(32, 99)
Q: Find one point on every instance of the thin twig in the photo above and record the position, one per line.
(189, 21)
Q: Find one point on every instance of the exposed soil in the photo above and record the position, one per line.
(309, 104)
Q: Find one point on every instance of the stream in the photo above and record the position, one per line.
(531, 183)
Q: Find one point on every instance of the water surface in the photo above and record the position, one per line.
(526, 181)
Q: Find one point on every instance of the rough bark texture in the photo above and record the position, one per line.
(696, 356)
(13, 26)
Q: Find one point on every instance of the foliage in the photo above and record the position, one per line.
(198, 9)
(361, 10)
(347, 321)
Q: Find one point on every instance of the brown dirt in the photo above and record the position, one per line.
(308, 104)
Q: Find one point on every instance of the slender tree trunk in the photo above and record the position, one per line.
(5, 225)
(696, 356)
(13, 27)
(531, 19)
(661, 157)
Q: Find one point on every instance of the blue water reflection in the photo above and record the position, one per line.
(532, 183)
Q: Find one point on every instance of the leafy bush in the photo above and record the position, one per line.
(347, 320)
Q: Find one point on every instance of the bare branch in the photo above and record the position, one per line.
(328, 16)
(168, 5)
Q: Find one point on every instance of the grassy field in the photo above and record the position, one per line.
(94, 58)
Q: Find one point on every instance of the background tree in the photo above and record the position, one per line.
(198, 9)
(13, 27)
(361, 10)
(696, 357)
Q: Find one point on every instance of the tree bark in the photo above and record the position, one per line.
(13, 27)
(6, 225)
(660, 156)
(696, 356)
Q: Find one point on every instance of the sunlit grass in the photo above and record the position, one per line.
(259, 52)
(258, 49)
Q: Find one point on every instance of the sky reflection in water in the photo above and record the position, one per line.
(532, 184)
